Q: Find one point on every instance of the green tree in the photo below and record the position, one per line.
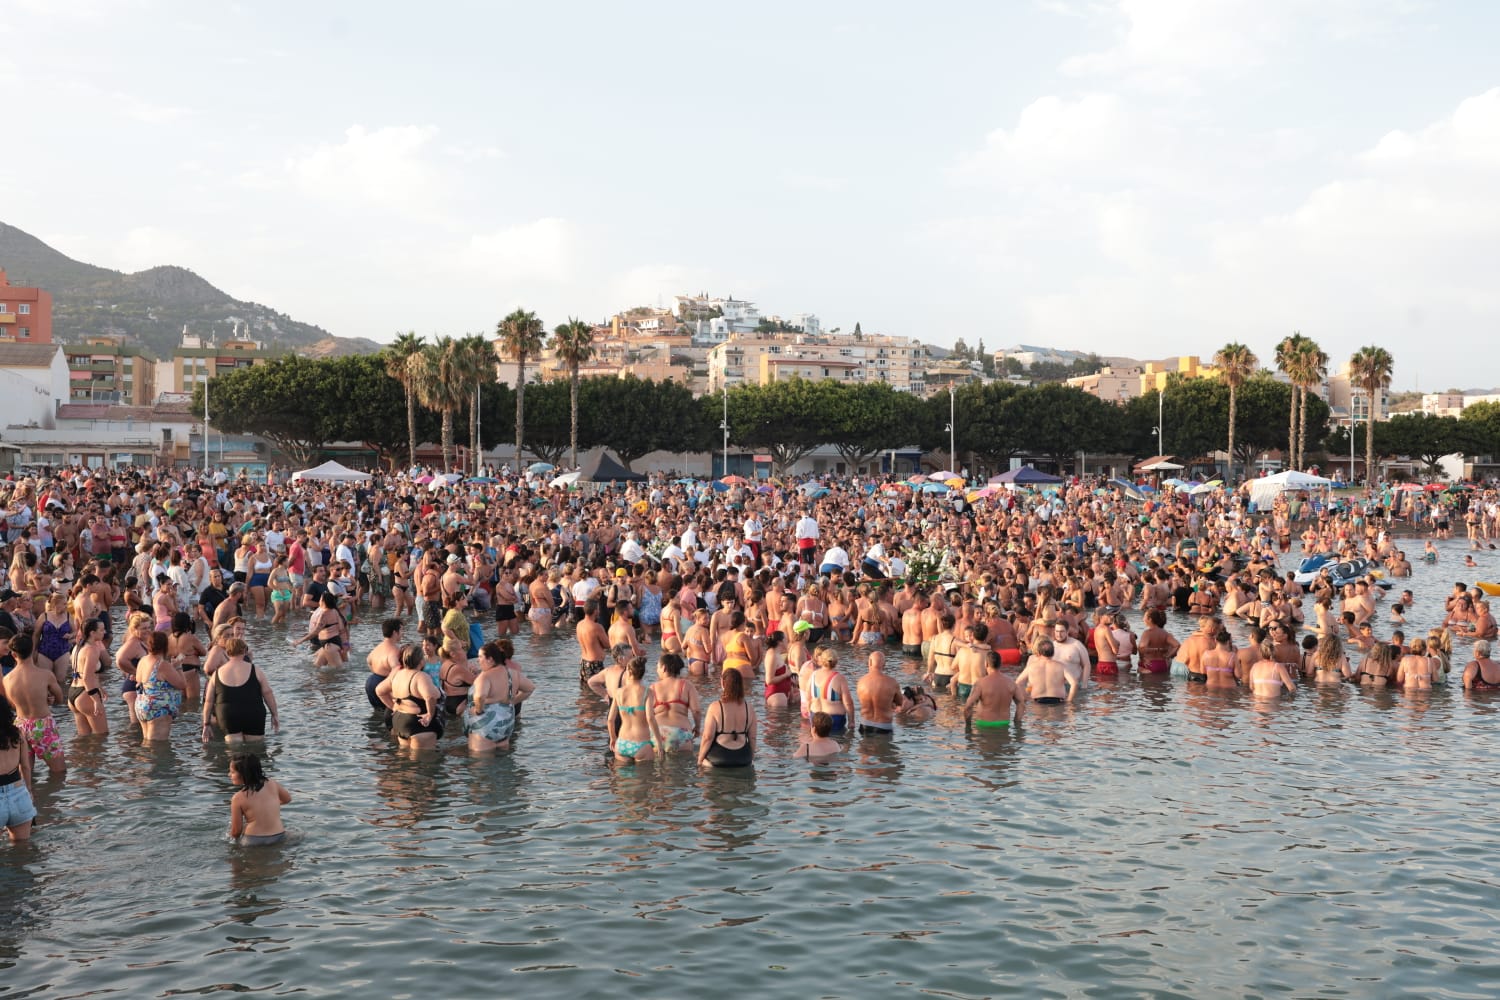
(548, 429)
(1236, 363)
(521, 335)
(1311, 368)
(475, 362)
(287, 401)
(1483, 422)
(1370, 369)
(781, 418)
(573, 344)
(1428, 438)
(442, 387)
(1288, 358)
(633, 417)
(867, 418)
(1059, 421)
(400, 365)
(1263, 403)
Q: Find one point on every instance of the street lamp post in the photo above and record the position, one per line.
(724, 426)
(952, 425)
(1161, 427)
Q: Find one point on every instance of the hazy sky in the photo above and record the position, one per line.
(1142, 177)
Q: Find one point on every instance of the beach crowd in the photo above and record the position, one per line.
(696, 607)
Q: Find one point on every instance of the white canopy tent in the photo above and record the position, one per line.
(1161, 465)
(1263, 491)
(331, 472)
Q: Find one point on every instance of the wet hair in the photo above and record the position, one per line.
(89, 628)
(671, 664)
(390, 627)
(775, 639)
(182, 624)
(235, 646)
(636, 667)
(158, 644)
(22, 645)
(734, 686)
(822, 724)
(247, 766)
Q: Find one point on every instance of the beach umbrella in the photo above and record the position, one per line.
(917, 479)
(954, 482)
(423, 480)
(566, 479)
(942, 476)
(482, 479)
(812, 487)
(817, 494)
(1433, 487)
(540, 467)
(765, 489)
(935, 488)
(735, 481)
(720, 486)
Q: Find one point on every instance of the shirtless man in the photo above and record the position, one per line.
(1045, 680)
(879, 698)
(968, 666)
(994, 698)
(622, 629)
(911, 626)
(593, 642)
(1190, 653)
(384, 658)
(1072, 654)
(33, 690)
(1245, 657)
(932, 624)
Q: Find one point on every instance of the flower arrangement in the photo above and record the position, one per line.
(656, 547)
(926, 562)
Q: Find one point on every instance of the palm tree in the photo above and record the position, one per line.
(400, 365)
(1286, 363)
(521, 336)
(1370, 368)
(573, 343)
(440, 387)
(476, 366)
(1312, 369)
(1236, 363)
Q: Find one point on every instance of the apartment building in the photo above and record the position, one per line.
(1111, 384)
(106, 368)
(196, 360)
(900, 362)
(25, 313)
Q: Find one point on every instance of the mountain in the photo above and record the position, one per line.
(151, 307)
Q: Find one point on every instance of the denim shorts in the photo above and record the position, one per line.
(15, 804)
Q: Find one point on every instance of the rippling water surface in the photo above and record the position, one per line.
(1148, 840)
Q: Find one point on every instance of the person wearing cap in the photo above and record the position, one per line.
(230, 606)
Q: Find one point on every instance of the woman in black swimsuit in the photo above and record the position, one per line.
(729, 727)
(414, 701)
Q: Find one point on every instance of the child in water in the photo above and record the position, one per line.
(255, 810)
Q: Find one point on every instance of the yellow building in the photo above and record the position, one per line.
(1155, 374)
(197, 360)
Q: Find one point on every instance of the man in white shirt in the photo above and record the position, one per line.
(807, 537)
(631, 550)
(835, 560)
(754, 530)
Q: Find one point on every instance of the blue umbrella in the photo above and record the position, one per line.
(540, 467)
(482, 479)
(817, 494)
(934, 488)
(685, 482)
(719, 487)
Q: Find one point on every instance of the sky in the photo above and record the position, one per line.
(1132, 177)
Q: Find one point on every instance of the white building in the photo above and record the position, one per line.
(34, 379)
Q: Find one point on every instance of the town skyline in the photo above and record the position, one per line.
(1135, 176)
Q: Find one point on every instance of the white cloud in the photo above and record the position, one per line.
(812, 182)
(543, 250)
(1470, 137)
(385, 168)
(141, 110)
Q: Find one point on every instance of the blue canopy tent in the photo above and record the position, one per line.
(1025, 476)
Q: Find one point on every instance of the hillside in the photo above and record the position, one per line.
(152, 306)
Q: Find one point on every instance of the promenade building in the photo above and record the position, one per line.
(108, 368)
(196, 360)
(25, 313)
(759, 359)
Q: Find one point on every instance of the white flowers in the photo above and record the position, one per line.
(926, 561)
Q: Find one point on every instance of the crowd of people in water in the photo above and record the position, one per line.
(127, 594)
